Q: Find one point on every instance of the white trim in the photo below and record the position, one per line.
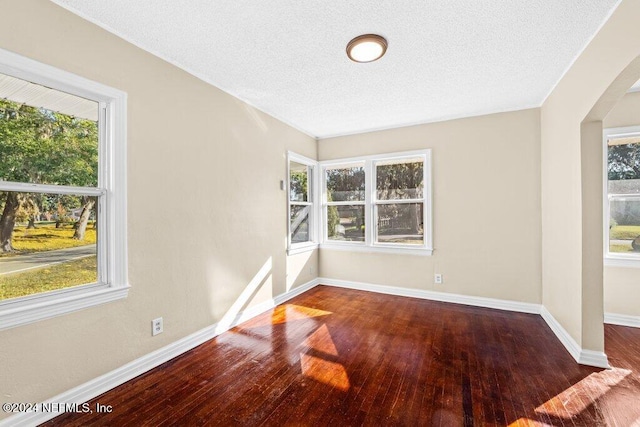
(597, 359)
(302, 247)
(24, 187)
(110, 380)
(111, 192)
(582, 356)
(53, 307)
(620, 262)
(27, 69)
(622, 320)
(499, 304)
(567, 340)
(360, 160)
(333, 245)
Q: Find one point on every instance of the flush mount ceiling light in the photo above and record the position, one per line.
(366, 48)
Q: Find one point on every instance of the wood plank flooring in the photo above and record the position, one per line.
(342, 357)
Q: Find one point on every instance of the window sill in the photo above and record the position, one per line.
(404, 250)
(305, 247)
(45, 307)
(622, 262)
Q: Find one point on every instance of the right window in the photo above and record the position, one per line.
(622, 193)
(399, 201)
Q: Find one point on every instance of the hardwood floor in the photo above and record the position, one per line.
(341, 357)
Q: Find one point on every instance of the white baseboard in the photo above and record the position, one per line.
(110, 380)
(597, 359)
(585, 357)
(521, 307)
(622, 320)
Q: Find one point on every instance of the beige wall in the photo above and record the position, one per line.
(568, 227)
(206, 213)
(486, 198)
(625, 113)
(621, 295)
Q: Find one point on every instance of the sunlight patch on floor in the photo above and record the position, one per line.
(247, 342)
(290, 312)
(569, 403)
(286, 313)
(522, 422)
(321, 340)
(324, 371)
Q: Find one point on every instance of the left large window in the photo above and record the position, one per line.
(62, 192)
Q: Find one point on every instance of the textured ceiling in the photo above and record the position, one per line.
(446, 59)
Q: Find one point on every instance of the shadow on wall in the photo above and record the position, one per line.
(261, 289)
(300, 269)
(261, 279)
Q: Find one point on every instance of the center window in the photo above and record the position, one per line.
(345, 203)
(378, 203)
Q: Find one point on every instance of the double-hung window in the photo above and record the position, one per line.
(622, 196)
(378, 203)
(345, 202)
(399, 200)
(302, 207)
(62, 192)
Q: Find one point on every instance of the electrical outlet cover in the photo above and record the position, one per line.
(156, 326)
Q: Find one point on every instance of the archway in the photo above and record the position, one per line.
(572, 190)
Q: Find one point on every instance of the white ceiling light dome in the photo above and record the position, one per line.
(367, 48)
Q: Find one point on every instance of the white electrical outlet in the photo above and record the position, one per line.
(437, 278)
(156, 326)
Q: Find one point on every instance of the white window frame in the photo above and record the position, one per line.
(312, 202)
(111, 191)
(615, 259)
(370, 202)
(325, 203)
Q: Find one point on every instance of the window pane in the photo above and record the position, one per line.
(300, 223)
(400, 179)
(298, 182)
(345, 184)
(400, 223)
(47, 242)
(47, 136)
(624, 226)
(624, 186)
(345, 223)
(624, 165)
